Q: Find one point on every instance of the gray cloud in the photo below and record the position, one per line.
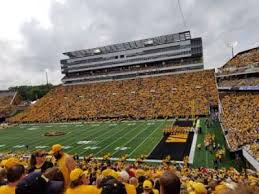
(79, 24)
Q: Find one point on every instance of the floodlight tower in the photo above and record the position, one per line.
(47, 79)
(232, 45)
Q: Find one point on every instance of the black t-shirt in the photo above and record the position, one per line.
(43, 168)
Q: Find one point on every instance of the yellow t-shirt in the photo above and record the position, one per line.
(83, 189)
(7, 189)
(131, 189)
(155, 191)
(61, 163)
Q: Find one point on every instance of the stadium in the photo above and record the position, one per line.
(147, 101)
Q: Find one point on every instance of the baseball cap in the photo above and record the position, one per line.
(199, 187)
(147, 184)
(11, 162)
(76, 173)
(55, 148)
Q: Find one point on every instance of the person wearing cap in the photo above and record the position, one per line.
(14, 175)
(78, 184)
(65, 162)
(10, 162)
(198, 188)
(38, 162)
(148, 188)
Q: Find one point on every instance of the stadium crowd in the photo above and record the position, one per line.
(58, 173)
(250, 57)
(166, 96)
(5, 106)
(253, 149)
(240, 118)
(252, 81)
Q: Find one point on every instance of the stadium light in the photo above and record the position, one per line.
(232, 45)
(46, 73)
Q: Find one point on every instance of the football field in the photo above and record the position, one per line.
(117, 138)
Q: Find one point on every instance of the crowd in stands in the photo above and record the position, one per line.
(163, 96)
(5, 106)
(240, 118)
(252, 81)
(253, 150)
(59, 173)
(244, 62)
(244, 59)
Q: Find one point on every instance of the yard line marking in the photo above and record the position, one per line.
(117, 139)
(90, 135)
(102, 140)
(123, 145)
(48, 141)
(158, 127)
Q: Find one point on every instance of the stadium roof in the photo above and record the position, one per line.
(165, 39)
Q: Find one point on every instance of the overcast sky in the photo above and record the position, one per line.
(35, 33)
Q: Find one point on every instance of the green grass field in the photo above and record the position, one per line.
(118, 138)
(130, 137)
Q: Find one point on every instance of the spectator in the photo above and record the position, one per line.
(14, 176)
(112, 186)
(169, 183)
(38, 162)
(79, 183)
(65, 162)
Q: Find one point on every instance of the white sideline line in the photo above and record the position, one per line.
(192, 151)
(134, 160)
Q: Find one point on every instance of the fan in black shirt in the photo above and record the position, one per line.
(38, 162)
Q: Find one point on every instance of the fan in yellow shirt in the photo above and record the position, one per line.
(7, 189)
(14, 175)
(79, 183)
(64, 161)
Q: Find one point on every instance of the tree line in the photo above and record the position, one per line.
(31, 93)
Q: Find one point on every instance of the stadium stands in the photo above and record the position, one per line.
(165, 96)
(236, 82)
(240, 118)
(243, 59)
(7, 100)
(253, 149)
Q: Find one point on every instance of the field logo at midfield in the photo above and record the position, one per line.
(2, 145)
(121, 148)
(19, 146)
(91, 148)
(84, 142)
(41, 147)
